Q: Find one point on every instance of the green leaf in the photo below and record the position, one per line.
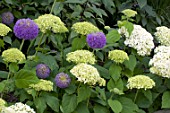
(83, 93)
(142, 3)
(166, 100)
(40, 104)
(75, 1)
(9, 1)
(115, 84)
(115, 71)
(88, 14)
(71, 89)
(2, 86)
(24, 78)
(148, 95)
(100, 55)
(103, 71)
(3, 74)
(7, 39)
(128, 25)
(53, 102)
(82, 108)
(100, 109)
(131, 63)
(113, 36)
(13, 67)
(78, 43)
(69, 103)
(128, 105)
(115, 105)
(2, 43)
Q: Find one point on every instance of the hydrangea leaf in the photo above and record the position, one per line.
(83, 93)
(115, 105)
(115, 71)
(166, 100)
(113, 36)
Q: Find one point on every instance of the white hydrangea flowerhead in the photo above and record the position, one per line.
(2, 104)
(140, 82)
(18, 108)
(87, 74)
(81, 56)
(141, 40)
(163, 35)
(160, 62)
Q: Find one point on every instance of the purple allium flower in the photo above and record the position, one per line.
(96, 40)
(7, 18)
(42, 71)
(62, 80)
(26, 29)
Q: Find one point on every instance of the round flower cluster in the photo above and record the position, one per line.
(2, 103)
(84, 28)
(96, 40)
(140, 82)
(87, 74)
(129, 12)
(13, 55)
(26, 29)
(7, 18)
(50, 22)
(18, 108)
(81, 56)
(42, 85)
(123, 31)
(161, 61)
(4, 29)
(163, 35)
(141, 40)
(42, 71)
(118, 56)
(62, 80)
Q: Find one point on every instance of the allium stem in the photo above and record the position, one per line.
(136, 95)
(39, 43)
(53, 6)
(22, 43)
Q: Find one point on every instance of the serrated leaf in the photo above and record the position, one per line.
(113, 36)
(131, 63)
(115, 71)
(83, 93)
(24, 78)
(115, 105)
(166, 100)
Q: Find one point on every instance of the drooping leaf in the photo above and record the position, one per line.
(131, 63)
(115, 71)
(115, 105)
(82, 108)
(83, 93)
(40, 104)
(53, 102)
(113, 36)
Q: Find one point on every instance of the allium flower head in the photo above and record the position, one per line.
(129, 12)
(141, 40)
(163, 35)
(96, 40)
(42, 85)
(18, 108)
(140, 82)
(26, 29)
(48, 22)
(118, 56)
(2, 103)
(13, 55)
(81, 56)
(161, 61)
(42, 71)
(4, 29)
(62, 80)
(84, 28)
(7, 18)
(87, 74)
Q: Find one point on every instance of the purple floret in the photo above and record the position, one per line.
(26, 29)
(42, 71)
(62, 80)
(7, 18)
(96, 40)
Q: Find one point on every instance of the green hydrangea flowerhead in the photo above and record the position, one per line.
(42, 85)
(129, 12)
(163, 35)
(140, 82)
(50, 22)
(81, 56)
(2, 103)
(118, 56)
(4, 29)
(13, 55)
(87, 74)
(84, 28)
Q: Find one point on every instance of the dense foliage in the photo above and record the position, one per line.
(84, 56)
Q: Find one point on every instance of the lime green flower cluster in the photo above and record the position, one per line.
(84, 28)
(13, 55)
(50, 22)
(2, 103)
(4, 29)
(42, 85)
(81, 56)
(163, 35)
(87, 74)
(140, 81)
(118, 56)
(129, 12)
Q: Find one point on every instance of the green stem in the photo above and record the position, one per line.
(136, 95)
(39, 43)
(53, 6)
(22, 43)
